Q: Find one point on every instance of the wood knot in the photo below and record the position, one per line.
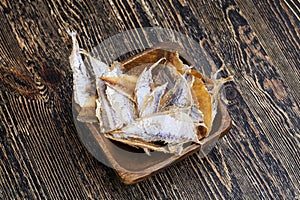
(14, 82)
(230, 92)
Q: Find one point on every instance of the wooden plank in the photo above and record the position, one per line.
(256, 41)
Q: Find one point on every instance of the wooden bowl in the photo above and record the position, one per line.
(131, 164)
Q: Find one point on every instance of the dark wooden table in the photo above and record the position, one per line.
(256, 41)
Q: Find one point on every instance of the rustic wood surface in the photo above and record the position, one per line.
(257, 41)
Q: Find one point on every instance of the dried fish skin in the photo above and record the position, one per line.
(152, 101)
(144, 84)
(114, 110)
(123, 106)
(196, 114)
(137, 143)
(124, 84)
(166, 74)
(142, 88)
(82, 84)
(99, 68)
(115, 70)
(169, 127)
(108, 119)
(180, 95)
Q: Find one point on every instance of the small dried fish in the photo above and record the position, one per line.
(170, 103)
(122, 105)
(143, 85)
(173, 127)
(82, 82)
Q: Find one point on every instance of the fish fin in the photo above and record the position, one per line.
(125, 84)
(147, 151)
(118, 136)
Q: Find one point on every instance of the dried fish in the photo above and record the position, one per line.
(174, 128)
(152, 101)
(170, 103)
(143, 85)
(124, 84)
(82, 82)
(122, 105)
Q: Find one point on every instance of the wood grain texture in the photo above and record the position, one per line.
(256, 41)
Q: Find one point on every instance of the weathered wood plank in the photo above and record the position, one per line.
(280, 37)
(257, 42)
